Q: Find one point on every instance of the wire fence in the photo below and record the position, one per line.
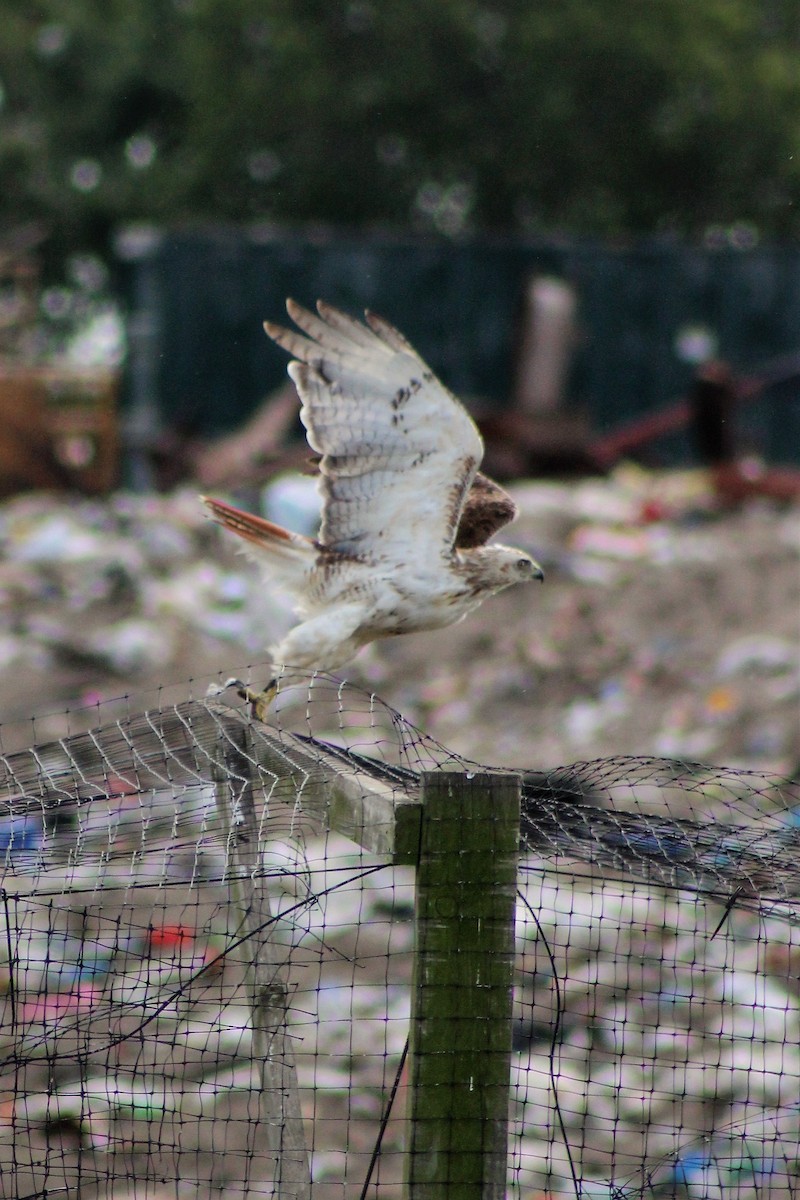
(210, 947)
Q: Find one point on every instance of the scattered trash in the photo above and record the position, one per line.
(759, 652)
(664, 628)
(21, 839)
(293, 501)
(54, 1006)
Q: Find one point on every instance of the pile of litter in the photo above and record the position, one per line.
(663, 626)
(675, 1063)
(127, 1048)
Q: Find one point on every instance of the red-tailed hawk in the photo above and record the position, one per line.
(406, 517)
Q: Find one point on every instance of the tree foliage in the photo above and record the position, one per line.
(448, 115)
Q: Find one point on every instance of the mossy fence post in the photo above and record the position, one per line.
(461, 833)
(461, 998)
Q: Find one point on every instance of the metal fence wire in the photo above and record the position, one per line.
(208, 935)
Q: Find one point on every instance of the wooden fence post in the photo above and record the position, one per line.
(281, 1116)
(461, 998)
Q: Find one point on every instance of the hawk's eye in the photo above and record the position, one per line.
(528, 569)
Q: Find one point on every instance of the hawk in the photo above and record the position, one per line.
(404, 541)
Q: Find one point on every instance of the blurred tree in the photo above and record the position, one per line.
(446, 115)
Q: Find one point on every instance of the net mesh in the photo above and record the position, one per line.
(165, 869)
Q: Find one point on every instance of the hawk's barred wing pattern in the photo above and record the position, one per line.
(399, 452)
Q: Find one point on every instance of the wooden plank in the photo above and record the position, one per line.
(337, 795)
(280, 1133)
(460, 1052)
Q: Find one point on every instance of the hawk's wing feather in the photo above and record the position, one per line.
(388, 334)
(399, 452)
(351, 329)
(487, 508)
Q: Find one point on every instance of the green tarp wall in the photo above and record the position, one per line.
(459, 304)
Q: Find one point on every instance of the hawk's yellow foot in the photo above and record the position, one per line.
(259, 701)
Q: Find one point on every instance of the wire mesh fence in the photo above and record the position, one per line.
(189, 894)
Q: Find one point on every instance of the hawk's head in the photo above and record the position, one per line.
(493, 568)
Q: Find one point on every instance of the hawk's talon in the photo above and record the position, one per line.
(259, 701)
(216, 689)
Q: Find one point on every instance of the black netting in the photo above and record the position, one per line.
(188, 892)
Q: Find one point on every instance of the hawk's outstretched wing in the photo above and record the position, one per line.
(399, 452)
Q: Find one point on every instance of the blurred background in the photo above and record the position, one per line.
(584, 217)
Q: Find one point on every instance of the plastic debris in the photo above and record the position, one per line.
(662, 629)
(657, 630)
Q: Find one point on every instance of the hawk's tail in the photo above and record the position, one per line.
(287, 554)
